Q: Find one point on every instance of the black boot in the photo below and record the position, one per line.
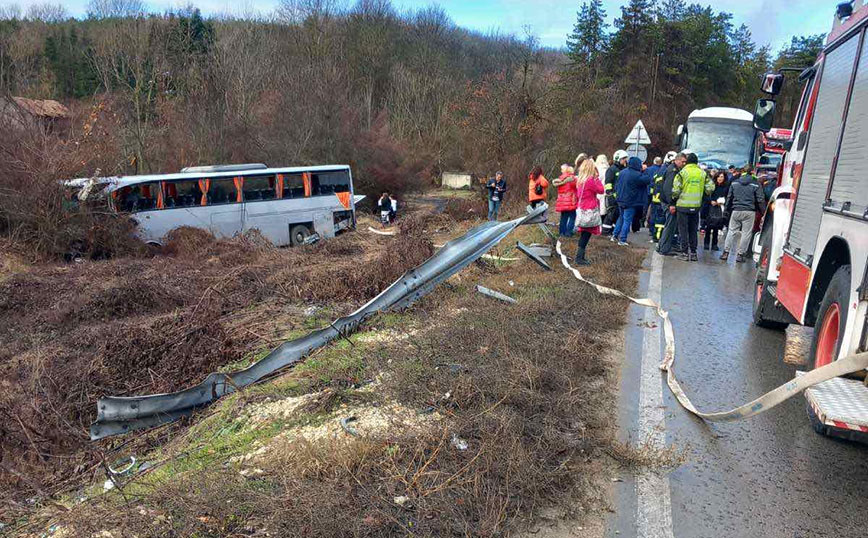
(580, 257)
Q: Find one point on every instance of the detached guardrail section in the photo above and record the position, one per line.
(122, 414)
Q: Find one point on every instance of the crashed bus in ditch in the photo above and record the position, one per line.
(286, 205)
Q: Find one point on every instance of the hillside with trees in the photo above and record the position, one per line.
(399, 96)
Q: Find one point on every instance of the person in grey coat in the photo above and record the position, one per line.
(744, 199)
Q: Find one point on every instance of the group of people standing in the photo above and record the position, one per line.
(685, 194)
(675, 196)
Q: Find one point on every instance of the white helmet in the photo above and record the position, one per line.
(669, 157)
(620, 154)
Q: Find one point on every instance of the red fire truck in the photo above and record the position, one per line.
(812, 251)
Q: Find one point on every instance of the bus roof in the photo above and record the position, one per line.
(119, 182)
(721, 113)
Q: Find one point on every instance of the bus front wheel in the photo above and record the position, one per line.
(298, 233)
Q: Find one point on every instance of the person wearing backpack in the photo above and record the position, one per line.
(714, 220)
(537, 189)
(744, 199)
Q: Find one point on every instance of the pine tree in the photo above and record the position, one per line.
(588, 41)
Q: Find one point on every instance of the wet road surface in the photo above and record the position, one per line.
(768, 476)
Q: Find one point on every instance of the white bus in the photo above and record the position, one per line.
(286, 205)
(719, 136)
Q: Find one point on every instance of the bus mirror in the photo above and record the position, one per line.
(680, 130)
(679, 134)
(764, 115)
(772, 83)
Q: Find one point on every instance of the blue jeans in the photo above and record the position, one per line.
(625, 221)
(493, 208)
(568, 223)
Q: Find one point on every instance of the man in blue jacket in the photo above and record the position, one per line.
(632, 189)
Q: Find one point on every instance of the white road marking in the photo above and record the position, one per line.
(654, 510)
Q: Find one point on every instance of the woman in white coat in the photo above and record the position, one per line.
(602, 163)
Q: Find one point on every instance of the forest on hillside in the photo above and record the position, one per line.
(401, 96)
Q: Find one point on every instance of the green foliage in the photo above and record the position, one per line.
(67, 55)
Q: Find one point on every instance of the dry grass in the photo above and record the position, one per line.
(73, 333)
(523, 385)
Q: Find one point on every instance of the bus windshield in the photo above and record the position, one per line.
(721, 144)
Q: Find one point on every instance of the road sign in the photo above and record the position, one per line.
(638, 135)
(636, 150)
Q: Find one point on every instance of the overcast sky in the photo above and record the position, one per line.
(772, 22)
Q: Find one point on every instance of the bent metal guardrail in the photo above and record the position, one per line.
(122, 414)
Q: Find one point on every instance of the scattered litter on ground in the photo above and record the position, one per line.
(380, 232)
(347, 428)
(495, 294)
(403, 501)
(459, 443)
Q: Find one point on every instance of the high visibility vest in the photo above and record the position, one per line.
(690, 184)
(656, 187)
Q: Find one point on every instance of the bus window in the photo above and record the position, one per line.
(293, 186)
(222, 191)
(258, 188)
(325, 183)
(182, 193)
(140, 197)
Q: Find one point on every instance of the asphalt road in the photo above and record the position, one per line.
(768, 476)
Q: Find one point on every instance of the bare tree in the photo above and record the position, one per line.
(107, 9)
(47, 12)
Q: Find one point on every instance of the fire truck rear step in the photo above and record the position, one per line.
(839, 408)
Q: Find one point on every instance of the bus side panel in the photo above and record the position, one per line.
(793, 285)
(222, 221)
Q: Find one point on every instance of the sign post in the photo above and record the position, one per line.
(637, 139)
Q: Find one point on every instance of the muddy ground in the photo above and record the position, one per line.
(461, 415)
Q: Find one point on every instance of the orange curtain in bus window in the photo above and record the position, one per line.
(306, 178)
(278, 187)
(344, 197)
(171, 190)
(204, 187)
(239, 185)
(160, 202)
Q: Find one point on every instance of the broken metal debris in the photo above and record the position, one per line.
(495, 294)
(532, 255)
(347, 428)
(121, 414)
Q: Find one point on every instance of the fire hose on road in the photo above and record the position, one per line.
(847, 365)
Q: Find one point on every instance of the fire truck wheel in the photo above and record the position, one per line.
(831, 319)
(763, 301)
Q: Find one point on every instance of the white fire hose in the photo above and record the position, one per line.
(847, 365)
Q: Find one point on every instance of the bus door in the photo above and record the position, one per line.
(224, 206)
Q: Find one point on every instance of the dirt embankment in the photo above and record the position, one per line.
(480, 416)
(74, 332)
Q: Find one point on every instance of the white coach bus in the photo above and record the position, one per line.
(720, 136)
(813, 247)
(286, 205)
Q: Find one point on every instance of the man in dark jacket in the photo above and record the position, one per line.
(667, 236)
(631, 191)
(619, 162)
(744, 199)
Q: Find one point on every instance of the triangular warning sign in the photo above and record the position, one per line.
(638, 135)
